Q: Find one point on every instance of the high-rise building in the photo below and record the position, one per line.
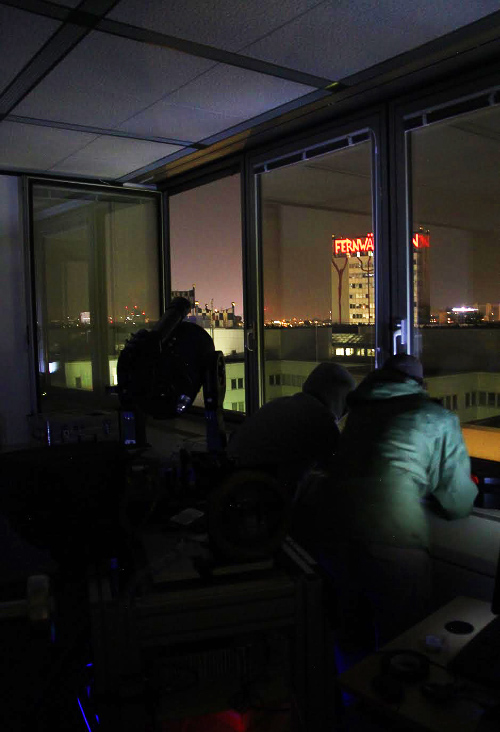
(490, 311)
(353, 279)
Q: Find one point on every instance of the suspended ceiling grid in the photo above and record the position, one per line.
(111, 90)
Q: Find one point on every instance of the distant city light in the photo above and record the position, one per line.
(464, 310)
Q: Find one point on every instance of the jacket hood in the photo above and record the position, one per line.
(381, 385)
(330, 383)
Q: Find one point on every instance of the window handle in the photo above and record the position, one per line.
(250, 340)
(400, 331)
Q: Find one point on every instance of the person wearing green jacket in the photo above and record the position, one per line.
(401, 454)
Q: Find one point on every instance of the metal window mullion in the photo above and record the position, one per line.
(252, 295)
(42, 316)
(98, 299)
(401, 225)
(380, 218)
(26, 198)
(165, 269)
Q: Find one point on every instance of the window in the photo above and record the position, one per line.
(97, 281)
(455, 200)
(206, 262)
(315, 214)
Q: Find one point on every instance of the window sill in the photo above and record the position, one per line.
(482, 442)
(469, 543)
(492, 514)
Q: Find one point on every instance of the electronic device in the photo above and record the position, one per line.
(486, 475)
(160, 372)
(479, 660)
(405, 665)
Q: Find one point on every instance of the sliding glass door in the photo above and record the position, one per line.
(319, 261)
(454, 163)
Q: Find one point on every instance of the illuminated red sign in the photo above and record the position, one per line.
(421, 241)
(353, 246)
(364, 245)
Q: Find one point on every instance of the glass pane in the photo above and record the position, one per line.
(206, 266)
(318, 268)
(97, 281)
(15, 403)
(456, 204)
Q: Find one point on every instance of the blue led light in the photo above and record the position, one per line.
(83, 715)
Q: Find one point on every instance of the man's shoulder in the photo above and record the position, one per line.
(427, 413)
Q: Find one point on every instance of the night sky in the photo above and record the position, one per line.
(205, 235)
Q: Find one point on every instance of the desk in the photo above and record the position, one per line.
(414, 711)
(196, 640)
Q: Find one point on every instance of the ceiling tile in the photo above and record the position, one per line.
(237, 92)
(224, 24)
(21, 36)
(27, 147)
(335, 42)
(183, 123)
(106, 79)
(113, 157)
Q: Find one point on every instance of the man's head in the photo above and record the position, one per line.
(404, 365)
(330, 384)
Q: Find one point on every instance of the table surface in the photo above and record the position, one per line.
(459, 715)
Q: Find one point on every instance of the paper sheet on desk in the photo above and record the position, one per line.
(187, 516)
(171, 558)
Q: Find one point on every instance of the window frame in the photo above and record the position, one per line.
(373, 121)
(437, 98)
(440, 96)
(69, 397)
(188, 181)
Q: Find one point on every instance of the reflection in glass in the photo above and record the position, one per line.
(318, 267)
(206, 268)
(97, 281)
(456, 205)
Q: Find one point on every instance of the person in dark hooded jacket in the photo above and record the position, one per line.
(400, 455)
(288, 435)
